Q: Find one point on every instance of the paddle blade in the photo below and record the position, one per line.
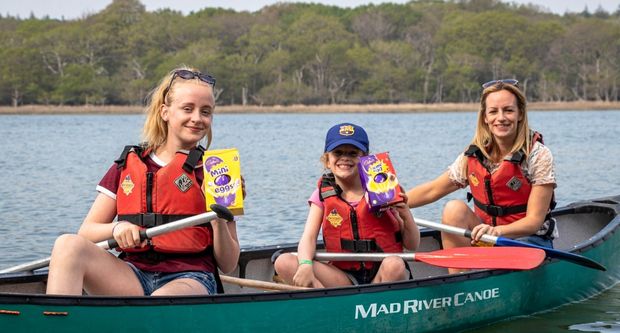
(553, 253)
(518, 258)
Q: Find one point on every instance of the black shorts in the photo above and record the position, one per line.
(365, 276)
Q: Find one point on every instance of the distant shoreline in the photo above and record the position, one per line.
(338, 108)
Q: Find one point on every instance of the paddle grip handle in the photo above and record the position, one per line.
(112, 243)
(222, 212)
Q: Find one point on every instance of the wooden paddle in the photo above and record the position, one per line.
(503, 241)
(516, 258)
(217, 211)
(257, 284)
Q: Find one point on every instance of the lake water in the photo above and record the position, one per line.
(51, 164)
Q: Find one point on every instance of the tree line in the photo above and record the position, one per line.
(426, 51)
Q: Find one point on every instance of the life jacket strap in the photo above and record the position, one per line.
(494, 210)
(153, 256)
(551, 227)
(366, 245)
(398, 236)
(472, 150)
(360, 245)
(328, 187)
(121, 161)
(517, 157)
(194, 156)
(150, 220)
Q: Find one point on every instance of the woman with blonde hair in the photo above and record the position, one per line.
(509, 171)
(156, 182)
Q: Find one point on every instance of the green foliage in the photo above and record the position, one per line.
(288, 53)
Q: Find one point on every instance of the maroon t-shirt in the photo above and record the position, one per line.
(109, 186)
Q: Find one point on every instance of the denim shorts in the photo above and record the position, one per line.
(152, 281)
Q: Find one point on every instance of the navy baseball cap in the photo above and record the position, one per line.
(346, 133)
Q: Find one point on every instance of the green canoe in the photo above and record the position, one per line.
(432, 301)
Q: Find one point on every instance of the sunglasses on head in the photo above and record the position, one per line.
(190, 75)
(511, 82)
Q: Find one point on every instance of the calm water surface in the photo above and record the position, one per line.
(51, 163)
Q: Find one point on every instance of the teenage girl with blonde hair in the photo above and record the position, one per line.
(156, 182)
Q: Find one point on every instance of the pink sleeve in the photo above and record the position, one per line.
(315, 199)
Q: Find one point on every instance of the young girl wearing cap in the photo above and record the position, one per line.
(338, 209)
(154, 183)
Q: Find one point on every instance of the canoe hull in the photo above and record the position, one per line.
(444, 303)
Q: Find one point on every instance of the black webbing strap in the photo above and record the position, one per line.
(194, 156)
(398, 236)
(366, 245)
(153, 256)
(150, 220)
(472, 150)
(360, 246)
(517, 157)
(552, 226)
(494, 210)
(121, 161)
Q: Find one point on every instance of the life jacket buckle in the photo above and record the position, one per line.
(148, 220)
(495, 210)
(359, 246)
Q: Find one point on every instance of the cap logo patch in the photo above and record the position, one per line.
(347, 130)
(183, 183)
(127, 185)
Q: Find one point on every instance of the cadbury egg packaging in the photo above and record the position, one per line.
(379, 180)
(222, 179)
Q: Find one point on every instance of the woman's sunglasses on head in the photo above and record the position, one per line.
(511, 82)
(190, 75)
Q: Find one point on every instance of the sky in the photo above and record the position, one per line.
(72, 9)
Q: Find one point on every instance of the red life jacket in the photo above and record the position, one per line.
(499, 198)
(349, 229)
(149, 199)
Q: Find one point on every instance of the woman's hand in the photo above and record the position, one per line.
(127, 235)
(484, 229)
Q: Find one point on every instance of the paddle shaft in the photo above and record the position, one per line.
(454, 230)
(503, 241)
(144, 234)
(361, 256)
(463, 257)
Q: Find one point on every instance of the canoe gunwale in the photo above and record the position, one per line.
(39, 299)
(608, 206)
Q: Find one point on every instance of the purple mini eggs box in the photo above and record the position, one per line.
(379, 180)
(222, 179)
